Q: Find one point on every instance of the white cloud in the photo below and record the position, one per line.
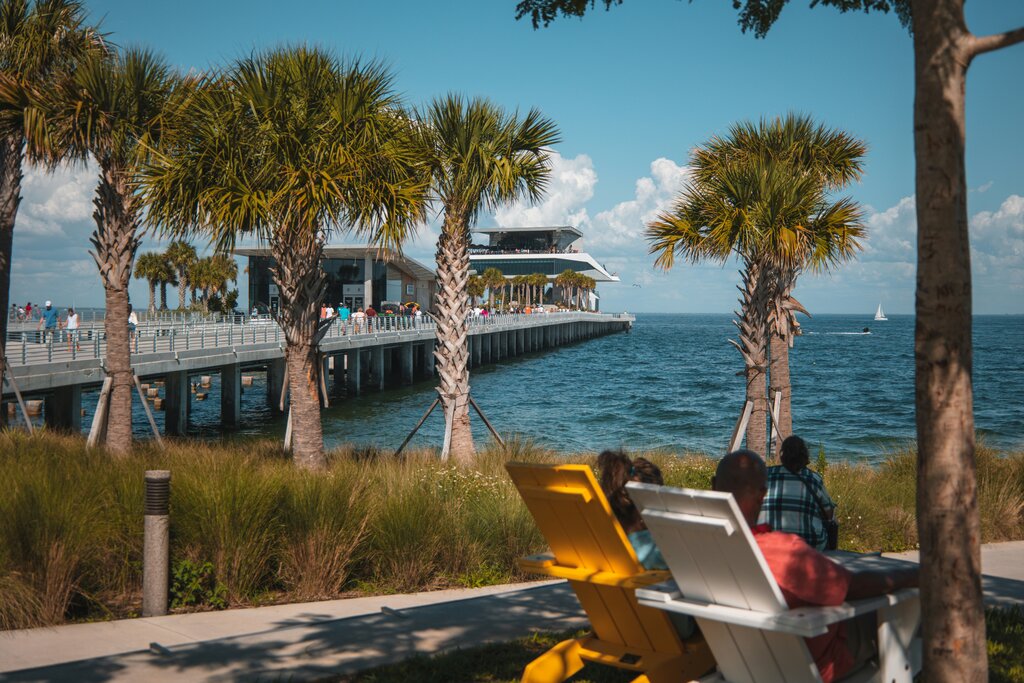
(625, 222)
(570, 187)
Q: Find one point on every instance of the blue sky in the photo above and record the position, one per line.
(633, 91)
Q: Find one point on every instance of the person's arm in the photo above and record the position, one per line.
(870, 583)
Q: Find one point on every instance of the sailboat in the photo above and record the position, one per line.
(880, 314)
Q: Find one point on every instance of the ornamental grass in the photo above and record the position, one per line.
(248, 528)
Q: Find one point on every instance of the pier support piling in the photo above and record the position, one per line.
(377, 356)
(275, 383)
(354, 373)
(428, 358)
(176, 403)
(63, 409)
(231, 395)
(406, 355)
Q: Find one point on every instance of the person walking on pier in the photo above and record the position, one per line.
(133, 323)
(357, 320)
(344, 314)
(71, 325)
(49, 319)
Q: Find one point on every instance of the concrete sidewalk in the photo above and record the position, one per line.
(313, 640)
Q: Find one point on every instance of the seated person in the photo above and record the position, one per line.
(616, 470)
(797, 501)
(806, 576)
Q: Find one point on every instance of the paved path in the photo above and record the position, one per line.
(312, 640)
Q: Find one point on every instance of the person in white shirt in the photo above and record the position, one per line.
(330, 311)
(358, 318)
(71, 325)
(133, 322)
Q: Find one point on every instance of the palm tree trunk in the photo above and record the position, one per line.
(152, 297)
(953, 616)
(752, 326)
(452, 349)
(779, 383)
(115, 241)
(182, 288)
(10, 198)
(163, 295)
(302, 283)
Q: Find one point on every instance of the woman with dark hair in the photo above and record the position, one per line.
(797, 501)
(616, 470)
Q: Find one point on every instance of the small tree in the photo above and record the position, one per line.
(182, 257)
(494, 280)
(151, 267)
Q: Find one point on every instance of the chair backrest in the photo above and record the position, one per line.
(714, 558)
(708, 547)
(580, 527)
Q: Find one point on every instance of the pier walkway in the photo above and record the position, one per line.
(383, 348)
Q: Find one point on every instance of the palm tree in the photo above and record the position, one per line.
(772, 211)
(566, 281)
(39, 45)
(182, 257)
(481, 156)
(284, 146)
(475, 288)
(167, 277)
(151, 267)
(113, 110)
(539, 281)
(837, 159)
(492, 279)
(210, 275)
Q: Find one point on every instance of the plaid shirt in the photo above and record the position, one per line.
(791, 507)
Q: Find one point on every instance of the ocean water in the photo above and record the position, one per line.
(672, 383)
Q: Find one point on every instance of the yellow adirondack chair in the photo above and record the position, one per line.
(590, 549)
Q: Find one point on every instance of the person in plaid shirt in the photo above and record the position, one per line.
(796, 498)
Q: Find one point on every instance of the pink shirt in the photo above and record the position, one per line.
(808, 578)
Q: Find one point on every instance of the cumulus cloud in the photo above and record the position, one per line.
(624, 223)
(570, 187)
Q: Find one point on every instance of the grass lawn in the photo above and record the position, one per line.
(504, 662)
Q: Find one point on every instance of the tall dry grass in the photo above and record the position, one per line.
(71, 520)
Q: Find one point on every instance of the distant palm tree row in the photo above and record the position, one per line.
(181, 267)
(528, 290)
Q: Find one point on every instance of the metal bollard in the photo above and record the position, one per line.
(156, 543)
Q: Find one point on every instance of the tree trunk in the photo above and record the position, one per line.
(182, 288)
(302, 283)
(779, 383)
(152, 297)
(115, 241)
(452, 349)
(163, 295)
(10, 198)
(752, 326)
(952, 610)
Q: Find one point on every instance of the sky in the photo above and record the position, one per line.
(633, 91)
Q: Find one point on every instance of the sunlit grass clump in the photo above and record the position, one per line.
(249, 528)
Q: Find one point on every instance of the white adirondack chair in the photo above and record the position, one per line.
(754, 636)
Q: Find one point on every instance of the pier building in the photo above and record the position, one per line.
(528, 250)
(357, 275)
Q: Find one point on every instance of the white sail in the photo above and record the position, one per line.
(880, 314)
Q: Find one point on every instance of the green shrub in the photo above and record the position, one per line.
(194, 583)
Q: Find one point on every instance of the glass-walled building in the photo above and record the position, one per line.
(528, 250)
(356, 275)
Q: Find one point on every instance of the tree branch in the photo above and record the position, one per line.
(981, 44)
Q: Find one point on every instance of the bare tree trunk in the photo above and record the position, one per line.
(115, 241)
(301, 281)
(953, 614)
(10, 198)
(452, 349)
(752, 326)
(152, 297)
(182, 288)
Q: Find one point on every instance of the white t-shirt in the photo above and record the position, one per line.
(358, 315)
(133, 319)
(72, 323)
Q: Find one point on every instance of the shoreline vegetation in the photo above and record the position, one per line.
(248, 528)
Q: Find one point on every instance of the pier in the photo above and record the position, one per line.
(385, 350)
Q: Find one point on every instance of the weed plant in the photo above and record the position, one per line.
(248, 528)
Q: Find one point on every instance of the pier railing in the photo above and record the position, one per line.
(27, 345)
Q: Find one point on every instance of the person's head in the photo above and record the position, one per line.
(794, 454)
(49, 305)
(71, 311)
(617, 469)
(743, 474)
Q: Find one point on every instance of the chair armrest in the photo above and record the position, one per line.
(547, 565)
(802, 621)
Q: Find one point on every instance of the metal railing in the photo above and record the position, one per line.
(32, 346)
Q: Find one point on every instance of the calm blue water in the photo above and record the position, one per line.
(671, 383)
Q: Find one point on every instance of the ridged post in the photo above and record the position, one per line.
(156, 543)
